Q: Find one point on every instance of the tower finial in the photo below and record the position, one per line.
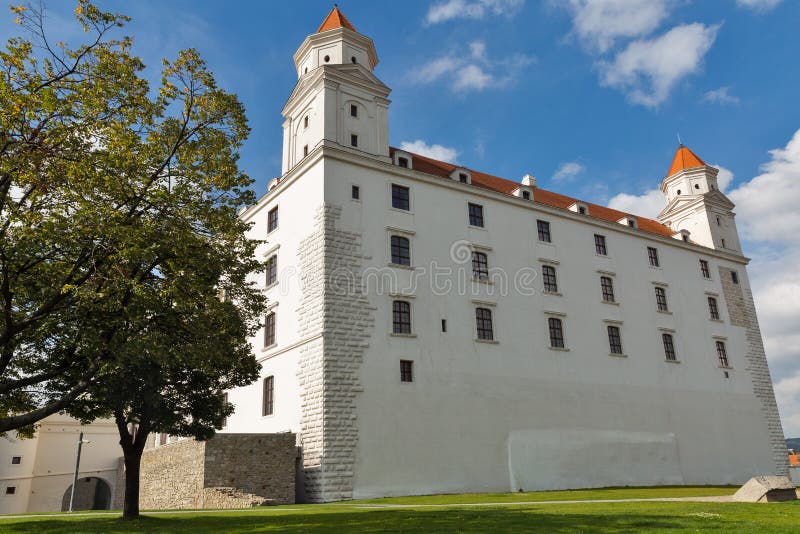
(680, 143)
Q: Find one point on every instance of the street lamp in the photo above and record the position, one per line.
(81, 441)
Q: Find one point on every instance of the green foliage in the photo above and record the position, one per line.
(118, 230)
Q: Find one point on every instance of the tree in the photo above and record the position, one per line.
(118, 230)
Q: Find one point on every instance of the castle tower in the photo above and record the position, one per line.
(338, 100)
(696, 205)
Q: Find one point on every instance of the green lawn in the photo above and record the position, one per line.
(362, 516)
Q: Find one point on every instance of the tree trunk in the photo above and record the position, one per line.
(133, 461)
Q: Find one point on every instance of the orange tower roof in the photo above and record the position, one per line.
(335, 19)
(684, 159)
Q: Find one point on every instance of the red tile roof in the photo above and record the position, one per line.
(501, 185)
(684, 159)
(335, 19)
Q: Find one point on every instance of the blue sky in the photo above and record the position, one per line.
(588, 95)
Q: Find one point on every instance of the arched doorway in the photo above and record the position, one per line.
(91, 493)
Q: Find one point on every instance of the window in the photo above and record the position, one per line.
(543, 228)
(526, 195)
(582, 210)
(401, 317)
(723, 242)
(403, 162)
(600, 245)
(475, 214)
(463, 178)
(722, 354)
(669, 347)
(406, 371)
(661, 299)
(607, 286)
(269, 329)
(162, 438)
(480, 265)
(355, 192)
(713, 310)
(685, 237)
(272, 220)
(353, 140)
(305, 150)
(444, 325)
(272, 270)
(353, 109)
(549, 279)
(305, 121)
(652, 255)
(614, 340)
(11, 490)
(401, 197)
(353, 60)
(718, 223)
(401, 250)
(704, 269)
(483, 321)
(327, 59)
(224, 405)
(16, 460)
(556, 332)
(734, 277)
(268, 404)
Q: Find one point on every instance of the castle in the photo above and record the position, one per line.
(434, 328)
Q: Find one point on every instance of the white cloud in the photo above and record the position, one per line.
(599, 23)
(787, 393)
(470, 9)
(724, 177)
(567, 171)
(647, 70)
(648, 204)
(422, 148)
(475, 72)
(758, 5)
(721, 96)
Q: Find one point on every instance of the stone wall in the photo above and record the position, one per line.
(228, 471)
(742, 312)
(334, 305)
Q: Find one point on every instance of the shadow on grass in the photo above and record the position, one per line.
(449, 520)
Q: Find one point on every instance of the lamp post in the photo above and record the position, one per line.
(81, 441)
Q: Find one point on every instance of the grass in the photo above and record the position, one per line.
(455, 516)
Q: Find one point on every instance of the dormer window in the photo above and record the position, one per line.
(353, 110)
(628, 220)
(579, 207)
(526, 195)
(463, 178)
(582, 210)
(462, 175)
(402, 159)
(403, 162)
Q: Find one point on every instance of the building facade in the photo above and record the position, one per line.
(433, 328)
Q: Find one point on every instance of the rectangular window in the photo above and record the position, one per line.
(614, 340)
(549, 279)
(526, 195)
(355, 192)
(607, 286)
(272, 270)
(556, 332)
(401, 317)
(722, 354)
(305, 121)
(704, 269)
(713, 310)
(483, 321)
(444, 325)
(269, 329)
(582, 210)
(16, 460)
(669, 347)
(401, 198)
(403, 162)
(661, 299)
(11, 490)
(353, 110)
(600, 245)
(224, 404)
(543, 227)
(305, 150)
(406, 371)
(463, 178)
(734, 277)
(272, 219)
(475, 214)
(353, 140)
(268, 405)
(480, 266)
(401, 250)
(652, 255)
